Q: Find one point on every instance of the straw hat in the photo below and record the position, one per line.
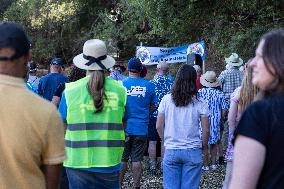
(234, 60)
(209, 79)
(94, 56)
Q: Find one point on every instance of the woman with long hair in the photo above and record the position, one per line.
(217, 104)
(178, 128)
(258, 151)
(93, 108)
(240, 99)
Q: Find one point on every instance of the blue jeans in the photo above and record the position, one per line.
(79, 179)
(182, 168)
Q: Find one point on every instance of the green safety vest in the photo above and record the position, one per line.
(94, 140)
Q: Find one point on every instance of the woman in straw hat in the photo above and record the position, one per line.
(93, 108)
(259, 136)
(217, 105)
(178, 126)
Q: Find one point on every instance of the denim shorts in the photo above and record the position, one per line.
(135, 147)
(184, 165)
(79, 179)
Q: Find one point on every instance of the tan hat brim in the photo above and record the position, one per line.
(80, 62)
(209, 84)
(227, 60)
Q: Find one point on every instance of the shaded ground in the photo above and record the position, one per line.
(209, 180)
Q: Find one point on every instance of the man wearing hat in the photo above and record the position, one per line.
(49, 83)
(231, 78)
(31, 132)
(33, 79)
(140, 97)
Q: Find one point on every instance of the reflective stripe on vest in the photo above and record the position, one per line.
(94, 140)
(95, 126)
(94, 143)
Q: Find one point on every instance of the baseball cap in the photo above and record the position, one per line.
(134, 65)
(13, 36)
(57, 61)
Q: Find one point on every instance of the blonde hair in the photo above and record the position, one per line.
(248, 91)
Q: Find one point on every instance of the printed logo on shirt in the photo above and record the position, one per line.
(110, 104)
(137, 91)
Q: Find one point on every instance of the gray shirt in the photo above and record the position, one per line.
(182, 123)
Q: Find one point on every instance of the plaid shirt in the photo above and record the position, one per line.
(230, 80)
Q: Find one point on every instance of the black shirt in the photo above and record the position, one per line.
(264, 122)
(59, 90)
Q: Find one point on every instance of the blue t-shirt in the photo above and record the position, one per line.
(163, 85)
(49, 83)
(140, 95)
(63, 112)
(30, 87)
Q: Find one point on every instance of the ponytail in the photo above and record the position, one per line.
(96, 88)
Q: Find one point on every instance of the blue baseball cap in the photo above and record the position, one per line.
(57, 61)
(134, 65)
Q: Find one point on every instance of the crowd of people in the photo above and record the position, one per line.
(97, 121)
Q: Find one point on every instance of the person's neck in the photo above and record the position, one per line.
(11, 70)
(161, 74)
(134, 75)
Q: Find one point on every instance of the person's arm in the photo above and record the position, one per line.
(39, 89)
(53, 151)
(205, 131)
(63, 108)
(160, 125)
(58, 93)
(55, 100)
(154, 99)
(232, 116)
(249, 156)
(52, 175)
(205, 137)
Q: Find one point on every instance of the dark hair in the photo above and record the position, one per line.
(184, 87)
(96, 88)
(273, 54)
(76, 74)
(144, 71)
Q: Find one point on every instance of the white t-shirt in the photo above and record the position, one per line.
(182, 123)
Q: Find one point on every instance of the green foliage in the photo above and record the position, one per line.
(60, 27)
